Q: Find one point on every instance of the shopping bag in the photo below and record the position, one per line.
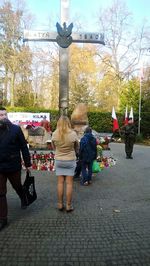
(29, 188)
(96, 167)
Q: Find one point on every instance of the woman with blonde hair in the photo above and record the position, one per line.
(66, 145)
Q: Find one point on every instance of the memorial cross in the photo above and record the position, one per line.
(64, 37)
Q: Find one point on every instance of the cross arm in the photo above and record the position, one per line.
(51, 37)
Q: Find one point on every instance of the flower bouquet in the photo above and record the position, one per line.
(104, 143)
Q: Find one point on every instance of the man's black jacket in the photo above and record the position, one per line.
(12, 146)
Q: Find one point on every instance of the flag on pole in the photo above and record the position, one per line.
(131, 114)
(115, 120)
(126, 117)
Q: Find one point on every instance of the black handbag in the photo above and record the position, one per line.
(29, 188)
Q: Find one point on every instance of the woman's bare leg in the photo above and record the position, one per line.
(60, 191)
(69, 190)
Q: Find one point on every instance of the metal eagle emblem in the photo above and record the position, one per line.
(64, 39)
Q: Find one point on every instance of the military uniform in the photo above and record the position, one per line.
(129, 133)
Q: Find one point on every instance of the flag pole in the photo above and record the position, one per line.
(140, 94)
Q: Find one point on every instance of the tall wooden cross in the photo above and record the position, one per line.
(64, 38)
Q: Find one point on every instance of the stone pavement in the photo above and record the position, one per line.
(109, 226)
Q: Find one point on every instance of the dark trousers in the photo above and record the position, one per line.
(77, 169)
(129, 142)
(15, 180)
(86, 171)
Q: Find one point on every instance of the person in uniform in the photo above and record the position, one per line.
(129, 133)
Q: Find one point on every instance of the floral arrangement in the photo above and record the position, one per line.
(103, 142)
(46, 161)
(42, 161)
(107, 162)
(99, 152)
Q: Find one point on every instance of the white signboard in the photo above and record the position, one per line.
(28, 118)
(33, 35)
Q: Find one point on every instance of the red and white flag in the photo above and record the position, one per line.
(131, 114)
(126, 117)
(115, 120)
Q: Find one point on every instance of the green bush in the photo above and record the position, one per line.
(139, 138)
(99, 121)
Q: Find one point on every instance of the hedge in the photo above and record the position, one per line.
(99, 121)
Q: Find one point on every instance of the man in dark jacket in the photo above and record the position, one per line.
(12, 142)
(87, 154)
(129, 133)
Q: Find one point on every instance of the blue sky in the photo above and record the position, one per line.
(82, 8)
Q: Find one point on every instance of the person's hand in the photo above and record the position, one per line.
(77, 156)
(28, 169)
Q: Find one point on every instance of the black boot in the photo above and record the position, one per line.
(3, 223)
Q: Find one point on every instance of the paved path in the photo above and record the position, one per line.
(94, 234)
